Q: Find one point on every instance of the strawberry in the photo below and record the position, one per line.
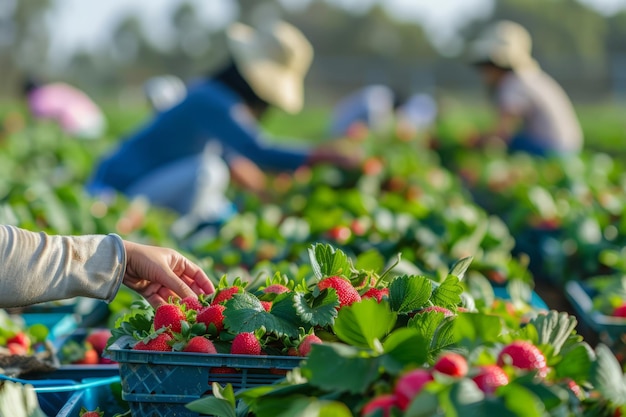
(91, 357)
(225, 294)
(213, 314)
(86, 413)
(409, 385)
(276, 289)
(20, 338)
(293, 351)
(383, 403)
(490, 377)
(438, 309)
(98, 339)
(158, 343)
(452, 364)
(339, 234)
(169, 315)
(304, 348)
(575, 389)
(523, 355)
(267, 305)
(245, 344)
(192, 303)
(619, 311)
(17, 349)
(346, 293)
(377, 293)
(200, 344)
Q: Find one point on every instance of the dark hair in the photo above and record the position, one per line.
(29, 84)
(231, 77)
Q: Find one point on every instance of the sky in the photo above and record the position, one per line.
(81, 24)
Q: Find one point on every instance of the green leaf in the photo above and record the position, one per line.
(317, 311)
(361, 323)
(607, 377)
(554, 328)
(404, 347)
(576, 362)
(326, 261)
(245, 313)
(521, 401)
(478, 327)
(551, 396)
(461, 266)
(213, 406)
(298, 406)
(370, 260)
(444, 338)
(425, 404)
(338, 367)
(409, 292)
(448, 294)
(465, 396)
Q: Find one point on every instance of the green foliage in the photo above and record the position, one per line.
(364, 323)
(409, 293)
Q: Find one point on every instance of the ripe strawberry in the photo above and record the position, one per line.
(339, 234)
(304, 348)
(169, 315)
(158, 344)
(276, 289)
(245, 344)
(17, 349)
(293, 351)
(192, 303)
(575, 389)
(619, 311)
(438, 309)
(409, 385)
(490, 378)
(91, 357)
(523, 355)
(86, 413)
(452, 364)
(20, 338)
(377, 293)
(225, 294)
(346, 293)
(383, 402)
(200, 344)
(98, 339)
(212, 314)
(267, 305)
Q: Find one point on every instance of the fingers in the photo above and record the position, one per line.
(199, 280)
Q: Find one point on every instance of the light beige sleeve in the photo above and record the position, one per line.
(36, 267)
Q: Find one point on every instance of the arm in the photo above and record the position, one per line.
(38, 267)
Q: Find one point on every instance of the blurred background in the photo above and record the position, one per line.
(109, 48)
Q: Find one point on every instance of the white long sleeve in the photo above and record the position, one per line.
(36, 267)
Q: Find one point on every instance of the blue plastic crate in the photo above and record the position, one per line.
(162, 383)
(60, 324)
(104, 394)
(535, 300)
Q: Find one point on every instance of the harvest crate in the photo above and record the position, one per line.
(104, 394)
(162, 383)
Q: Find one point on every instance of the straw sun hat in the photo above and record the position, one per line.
(274, 60)
(505, 44)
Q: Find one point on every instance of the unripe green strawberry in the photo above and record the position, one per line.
(524, 355)
(213, 314)
(452, 364)
(169, 315)
(346, 293)
(304, 348)
(490, 377)
(245, 344)
(200, 344)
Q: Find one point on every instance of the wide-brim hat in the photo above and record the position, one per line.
(274, 60)
(505, 44)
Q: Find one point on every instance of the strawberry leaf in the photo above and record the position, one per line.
(576, 362)
(460, 267)
(245, 313)
(317, 311)
(409, 292)
(364, 322)
(326, 261)
(607, 377)
(554, 328)
(370, 260)
(342, 368)
(403, 347)
(478, 328)
(448, 294)
(220, 404)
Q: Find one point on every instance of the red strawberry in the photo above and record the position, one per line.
(377, 293)
(86, 413)
(169, 315)
(383, 402)
(91, 358)
(346, 293)
(409, 385)
(490, 378)
(212, 314)
(245, 344)
(275, 289)
(20, 338)
(192, 303)
(575, 388)
(438, 309)
(620, 311)
(339, 234)
(267, 305)
(304, 348)
(523, 355)
(17, 349)
(98, 339)
(200, 344)
(293, 351)
(225, 294)
(452, 364)
(159, 343)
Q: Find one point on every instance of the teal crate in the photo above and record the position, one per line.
(104, 394)
(162, 383)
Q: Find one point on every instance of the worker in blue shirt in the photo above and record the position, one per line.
(186, 156)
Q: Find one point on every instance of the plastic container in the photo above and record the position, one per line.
(104, 394)
(535, 300)
(581, 298)
(162, 383)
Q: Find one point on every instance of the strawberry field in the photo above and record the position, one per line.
(412, 286)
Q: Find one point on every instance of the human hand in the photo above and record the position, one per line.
(159, 273)
(347, 157)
